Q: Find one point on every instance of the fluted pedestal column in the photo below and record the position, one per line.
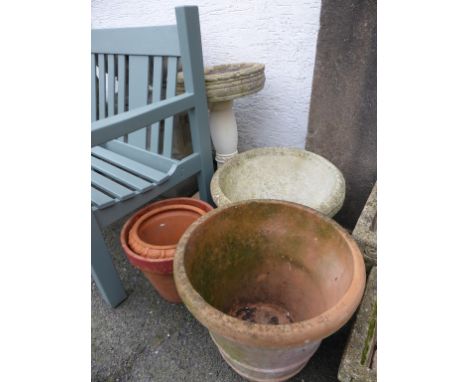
(223, 128)
(224, 83)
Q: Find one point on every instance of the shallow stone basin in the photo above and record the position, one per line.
(281, 173)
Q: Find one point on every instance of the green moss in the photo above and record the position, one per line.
(370, 333)
(234, 351)
(220, 270)
(227, 256)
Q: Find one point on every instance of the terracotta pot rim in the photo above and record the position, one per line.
(155, 211)
(130, 252)
(129, 223)
(286, 335)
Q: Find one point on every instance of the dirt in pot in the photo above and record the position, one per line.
(261, 313)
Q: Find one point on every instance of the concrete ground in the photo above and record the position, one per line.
(149, 339)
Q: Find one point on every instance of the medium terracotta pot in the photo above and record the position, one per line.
(155, 231)
(269, 279)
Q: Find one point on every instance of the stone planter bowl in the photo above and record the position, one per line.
(282, 173)
(365, 231)
(269, 279)
(230, 81)
(359, 362)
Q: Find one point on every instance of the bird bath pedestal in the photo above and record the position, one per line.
(224, 83)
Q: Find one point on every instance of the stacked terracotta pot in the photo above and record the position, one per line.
(150, 236)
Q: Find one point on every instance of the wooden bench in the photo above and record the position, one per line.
(134, 102)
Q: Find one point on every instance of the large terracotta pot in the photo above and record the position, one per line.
(269, 279)
(150, 236)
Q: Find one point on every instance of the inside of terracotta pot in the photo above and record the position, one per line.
(269, 263)
(167, 227)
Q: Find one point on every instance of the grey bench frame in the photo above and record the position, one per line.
(128, 170)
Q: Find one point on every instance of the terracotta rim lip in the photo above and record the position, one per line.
(141, 219)
(130, 252)
(220, 197)
(129, 223)
(286, 335)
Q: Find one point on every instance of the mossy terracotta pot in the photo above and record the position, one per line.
(150, 236)
(269, 279)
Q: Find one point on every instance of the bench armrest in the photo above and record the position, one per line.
(118, 125)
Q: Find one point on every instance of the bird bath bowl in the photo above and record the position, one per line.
(269, 279)
(223, 84)
(289, 174)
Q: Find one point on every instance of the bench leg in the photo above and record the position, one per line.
(203, 180)
(104, 273)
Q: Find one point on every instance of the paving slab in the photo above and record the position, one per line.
(148, 339)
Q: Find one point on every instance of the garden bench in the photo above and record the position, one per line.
(132, 126)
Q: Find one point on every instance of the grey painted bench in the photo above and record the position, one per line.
(131, 71)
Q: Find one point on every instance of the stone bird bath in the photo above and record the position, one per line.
(282, 173)
(269, 279)
(225, 83)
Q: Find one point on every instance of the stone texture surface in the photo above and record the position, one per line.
(148, 339)
(278, 33)
(280, 173)
(365, 231)
(343, 112)
(229, 81)
(361, 349)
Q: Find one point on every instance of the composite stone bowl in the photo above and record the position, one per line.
(269, 279)
(229, 81)
(281, 173)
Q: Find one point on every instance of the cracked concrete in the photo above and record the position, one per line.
(149, 339)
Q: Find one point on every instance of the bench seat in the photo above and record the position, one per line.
(116, 177)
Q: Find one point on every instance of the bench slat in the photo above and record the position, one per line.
(100, 199)
(93, 88)
(153, 160)
(102, 86)
(157, 90)
(120, 175)
(110, 186)
(111, 85)
(122, 86)
(129, 164)
(171, 83)
(138, 94)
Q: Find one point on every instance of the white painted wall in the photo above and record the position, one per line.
(281, 34)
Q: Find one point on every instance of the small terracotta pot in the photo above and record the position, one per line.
(269, 279)
(150, 236)
(156, 233)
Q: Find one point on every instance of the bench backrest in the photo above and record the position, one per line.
(132, 67)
